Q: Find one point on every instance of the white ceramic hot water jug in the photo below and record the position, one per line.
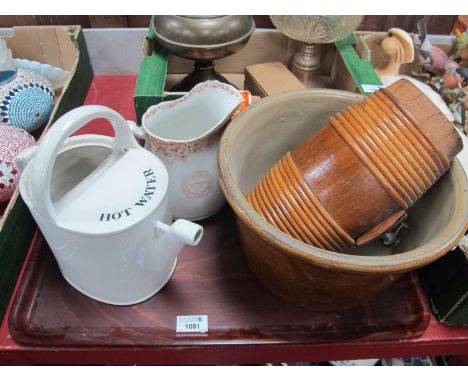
(102, 205)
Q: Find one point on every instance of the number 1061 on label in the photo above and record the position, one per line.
(192, 324)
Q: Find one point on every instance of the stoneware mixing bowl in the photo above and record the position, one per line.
(305, 275)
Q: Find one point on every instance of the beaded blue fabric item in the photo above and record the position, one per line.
(7, 75)
(26, 100)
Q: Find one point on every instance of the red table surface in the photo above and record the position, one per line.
(117, 92)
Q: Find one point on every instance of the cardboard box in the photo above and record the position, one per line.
(58, 46)
(159, 71)
(270, 78)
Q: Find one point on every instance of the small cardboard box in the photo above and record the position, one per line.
(65, 47)
(270, 78)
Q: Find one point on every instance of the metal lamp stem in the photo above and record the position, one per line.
(306, 66)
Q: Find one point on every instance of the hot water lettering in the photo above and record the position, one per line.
(142, 201)
(150, 188)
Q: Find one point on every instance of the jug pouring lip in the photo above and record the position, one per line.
(230, 90)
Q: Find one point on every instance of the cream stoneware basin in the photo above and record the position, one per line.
(305, 275)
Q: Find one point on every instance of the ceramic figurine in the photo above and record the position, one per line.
(448, 76)
(26, 97)
(433, 58)
(399, 48)
(12, 141)
(456, 99)
(463, 72)
(451, 78)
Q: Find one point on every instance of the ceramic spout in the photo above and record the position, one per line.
(23, 158)
(182, 232)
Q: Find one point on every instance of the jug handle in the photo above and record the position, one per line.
(53, 140)
(136, 130)
(24, 157)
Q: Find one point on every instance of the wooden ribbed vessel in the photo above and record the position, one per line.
(354, 179)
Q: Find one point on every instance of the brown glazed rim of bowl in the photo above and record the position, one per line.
(400, 262)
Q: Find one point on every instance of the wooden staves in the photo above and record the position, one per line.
(395, 143)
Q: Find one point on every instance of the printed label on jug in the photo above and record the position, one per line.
(143, 200)
(197, 184)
